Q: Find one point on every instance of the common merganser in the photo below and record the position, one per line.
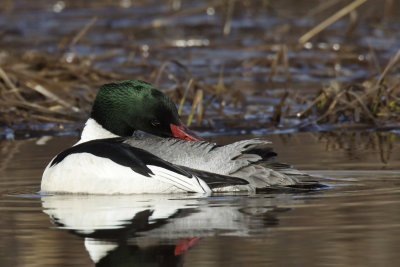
(109, 160)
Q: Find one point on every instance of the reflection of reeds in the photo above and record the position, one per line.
(360, 145)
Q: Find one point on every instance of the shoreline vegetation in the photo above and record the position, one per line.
(40, 87)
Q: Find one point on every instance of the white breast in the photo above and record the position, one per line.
(86, 173)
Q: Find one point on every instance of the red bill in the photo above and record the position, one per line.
(182, 132)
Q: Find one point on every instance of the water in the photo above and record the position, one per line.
(353, 222)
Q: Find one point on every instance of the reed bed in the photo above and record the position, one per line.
(39, 87)
(374, 102)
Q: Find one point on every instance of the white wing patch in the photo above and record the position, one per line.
(193, 184)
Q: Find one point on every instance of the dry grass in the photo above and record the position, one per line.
(375, 102)
(37, 87)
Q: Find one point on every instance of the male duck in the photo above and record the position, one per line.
(109, 160)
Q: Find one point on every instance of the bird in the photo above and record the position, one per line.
(110, 158)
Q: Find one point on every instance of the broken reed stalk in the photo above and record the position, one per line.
(364, 107)
(50, 119)
(160, 72)
(331, 106)
(353, 17)
(36, 107)
(285, 62)
(200, 108)
(327, 22)
(182, 101)
(391, 63)
(276, 117)
(310, 106)
(321, 7)
(163, 68)
(275, 62)
(226, 29)
(197, 102)
(45, 92)
(8, 82)
(281, 56)
(220, 85)
(82, 32)
(373, 59)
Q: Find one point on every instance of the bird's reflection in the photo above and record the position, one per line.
(154, 229)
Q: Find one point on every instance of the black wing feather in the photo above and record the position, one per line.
(114, 149)
(266, 153)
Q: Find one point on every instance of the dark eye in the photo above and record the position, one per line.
(155, 122)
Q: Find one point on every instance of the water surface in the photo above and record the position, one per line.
(355, 221)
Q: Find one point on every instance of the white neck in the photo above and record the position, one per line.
(93, 130)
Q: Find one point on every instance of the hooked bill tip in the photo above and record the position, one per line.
(182, 133)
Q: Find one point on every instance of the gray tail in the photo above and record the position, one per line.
(214, 180)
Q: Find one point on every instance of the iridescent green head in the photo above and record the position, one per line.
(125, 106)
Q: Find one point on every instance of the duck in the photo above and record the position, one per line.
(110, 158)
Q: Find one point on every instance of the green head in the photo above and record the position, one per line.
(125, 106)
